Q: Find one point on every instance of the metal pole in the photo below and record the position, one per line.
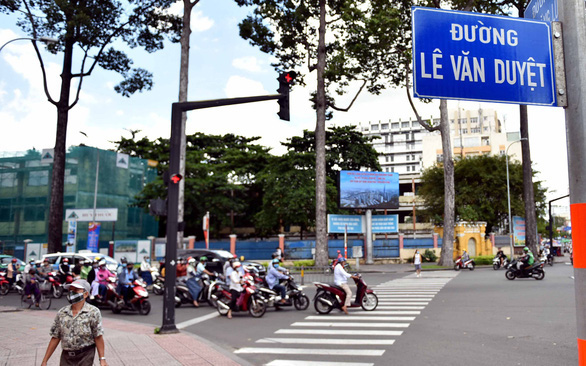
(346, 241)
(369, 256)
(574, 23)
(96, 187)
(509, 196)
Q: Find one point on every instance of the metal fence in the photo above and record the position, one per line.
(308, 275)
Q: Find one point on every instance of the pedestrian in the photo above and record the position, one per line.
(417, 260)
(145, 270)
(78, 327)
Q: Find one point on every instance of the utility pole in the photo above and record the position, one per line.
(571, 15)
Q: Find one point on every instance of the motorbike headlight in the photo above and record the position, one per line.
(249, 290)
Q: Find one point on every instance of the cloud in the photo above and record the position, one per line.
(199, 22)
(250, 63)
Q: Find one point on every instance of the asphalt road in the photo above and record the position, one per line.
(467, 318)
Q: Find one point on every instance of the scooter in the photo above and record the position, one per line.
(535, 271)
(548, 259)
(329, 297)
(17, 286)
(111, 297)
(459, 264)
(183, 296)
(56, 285)
(249, 300)
(139, 302)
(295, 296)
(4, 285)
(496, 263)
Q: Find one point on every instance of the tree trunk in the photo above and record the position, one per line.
(58, 177)
(183, 82)
(528, 195)
(321, 235)
(447, 253)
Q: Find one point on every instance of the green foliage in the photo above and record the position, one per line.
(481, 190)
(429, 256)
(304, 263)
(483, 260)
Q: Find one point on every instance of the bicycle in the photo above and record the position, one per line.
(44, 302)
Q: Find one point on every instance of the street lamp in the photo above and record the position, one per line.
(45, 40)
(509, 194)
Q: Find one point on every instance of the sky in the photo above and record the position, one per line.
(222, 65)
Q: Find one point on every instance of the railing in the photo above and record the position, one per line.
(309, 275)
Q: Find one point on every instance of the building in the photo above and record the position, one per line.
(405, 147)
(25, 195)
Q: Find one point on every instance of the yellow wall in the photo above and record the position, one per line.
(463, 232)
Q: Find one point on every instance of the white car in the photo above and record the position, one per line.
(56, 258)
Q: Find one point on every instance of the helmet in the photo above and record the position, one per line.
(14, 260)
(102, 262)
(123, 260)
(341, 259)
(87, 262)
(236, 264)
(65, 260)
(191, 260)
(31, 260)
(203, 258)
(525, 249)
(46, 260)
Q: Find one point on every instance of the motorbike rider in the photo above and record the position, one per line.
(235, 287)
(465, 257)
(12, 271)
(126, 279)
(32, 280)
(120, 274)
(100, 284)
(44, 269)
(194, 272)
(526, 260)
(29, 265)
(501, 255)
(85, 269)
(341, 279)
(228, 267)
(64, 270)
(145, 270)
(273, 277)
(91, 276)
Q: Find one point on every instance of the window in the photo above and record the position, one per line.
(133, 215)
(452, 121)
(436, 121)
(38, 178)
(473, 119)
(404, 124)
(34, 213)
(6, 212)
(475, 130)
(392, 158)
(71, 176)
(384, 126)
(32, 163)
(395, 125)
(408, 168)
(392, 169)
(386, 159)
(8, 180)
(440, 158)
(374, 127)
(387, 170)
(408, 157)
(461, 121)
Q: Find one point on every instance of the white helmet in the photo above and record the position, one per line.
(191, 260)
(102, 262)
(236, 264)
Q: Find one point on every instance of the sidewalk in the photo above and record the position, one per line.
(25, 336)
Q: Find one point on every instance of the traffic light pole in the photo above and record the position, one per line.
(173, 197)
(571, 14)
(551, 219)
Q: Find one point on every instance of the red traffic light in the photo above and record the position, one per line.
(287, 77)
(176, 178)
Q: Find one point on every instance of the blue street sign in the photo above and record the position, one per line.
(546, 10)
(339, 223)
(471, 56)
(385, 224)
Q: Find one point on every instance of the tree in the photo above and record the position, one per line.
(288, 181)
(90, 27)
(360, 32)
(481, 185)
(220, 177)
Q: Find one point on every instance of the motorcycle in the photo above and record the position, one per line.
(249, 300)
(459, 264)
(183, 296)
(295, 296)
(56, 285)
(535, 271)
(111, 295)
(17, 286)
(139, 302)
(548, 259)
(496, 263)
(4, 285)
(329, 297)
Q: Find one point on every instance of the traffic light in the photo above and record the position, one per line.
(285, 80)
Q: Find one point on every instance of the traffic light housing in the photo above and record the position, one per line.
(285, 80)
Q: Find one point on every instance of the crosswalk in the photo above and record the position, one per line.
(362, 334)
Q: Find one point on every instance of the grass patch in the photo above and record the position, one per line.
(434, 266)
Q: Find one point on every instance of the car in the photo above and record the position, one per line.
(5, 259)
(55, 259)
(217, 258)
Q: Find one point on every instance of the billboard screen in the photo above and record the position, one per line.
(369, 189)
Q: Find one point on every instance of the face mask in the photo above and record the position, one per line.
(95, 266)
(74, 297)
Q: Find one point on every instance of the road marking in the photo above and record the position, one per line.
(315, 363)
(326, 341)
(350, 325)
(200, 319)
(400, 303)
(313, 351)
(405, 296)
(398, 292)
(359, 310)
(351, 317)
(394, 333)
(398, 312)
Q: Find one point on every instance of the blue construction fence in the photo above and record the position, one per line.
(302, 249)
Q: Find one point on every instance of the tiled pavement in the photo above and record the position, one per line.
(25, 336)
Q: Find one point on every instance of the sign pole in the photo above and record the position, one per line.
(369, 255)
(346, 241)
(574, 24)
